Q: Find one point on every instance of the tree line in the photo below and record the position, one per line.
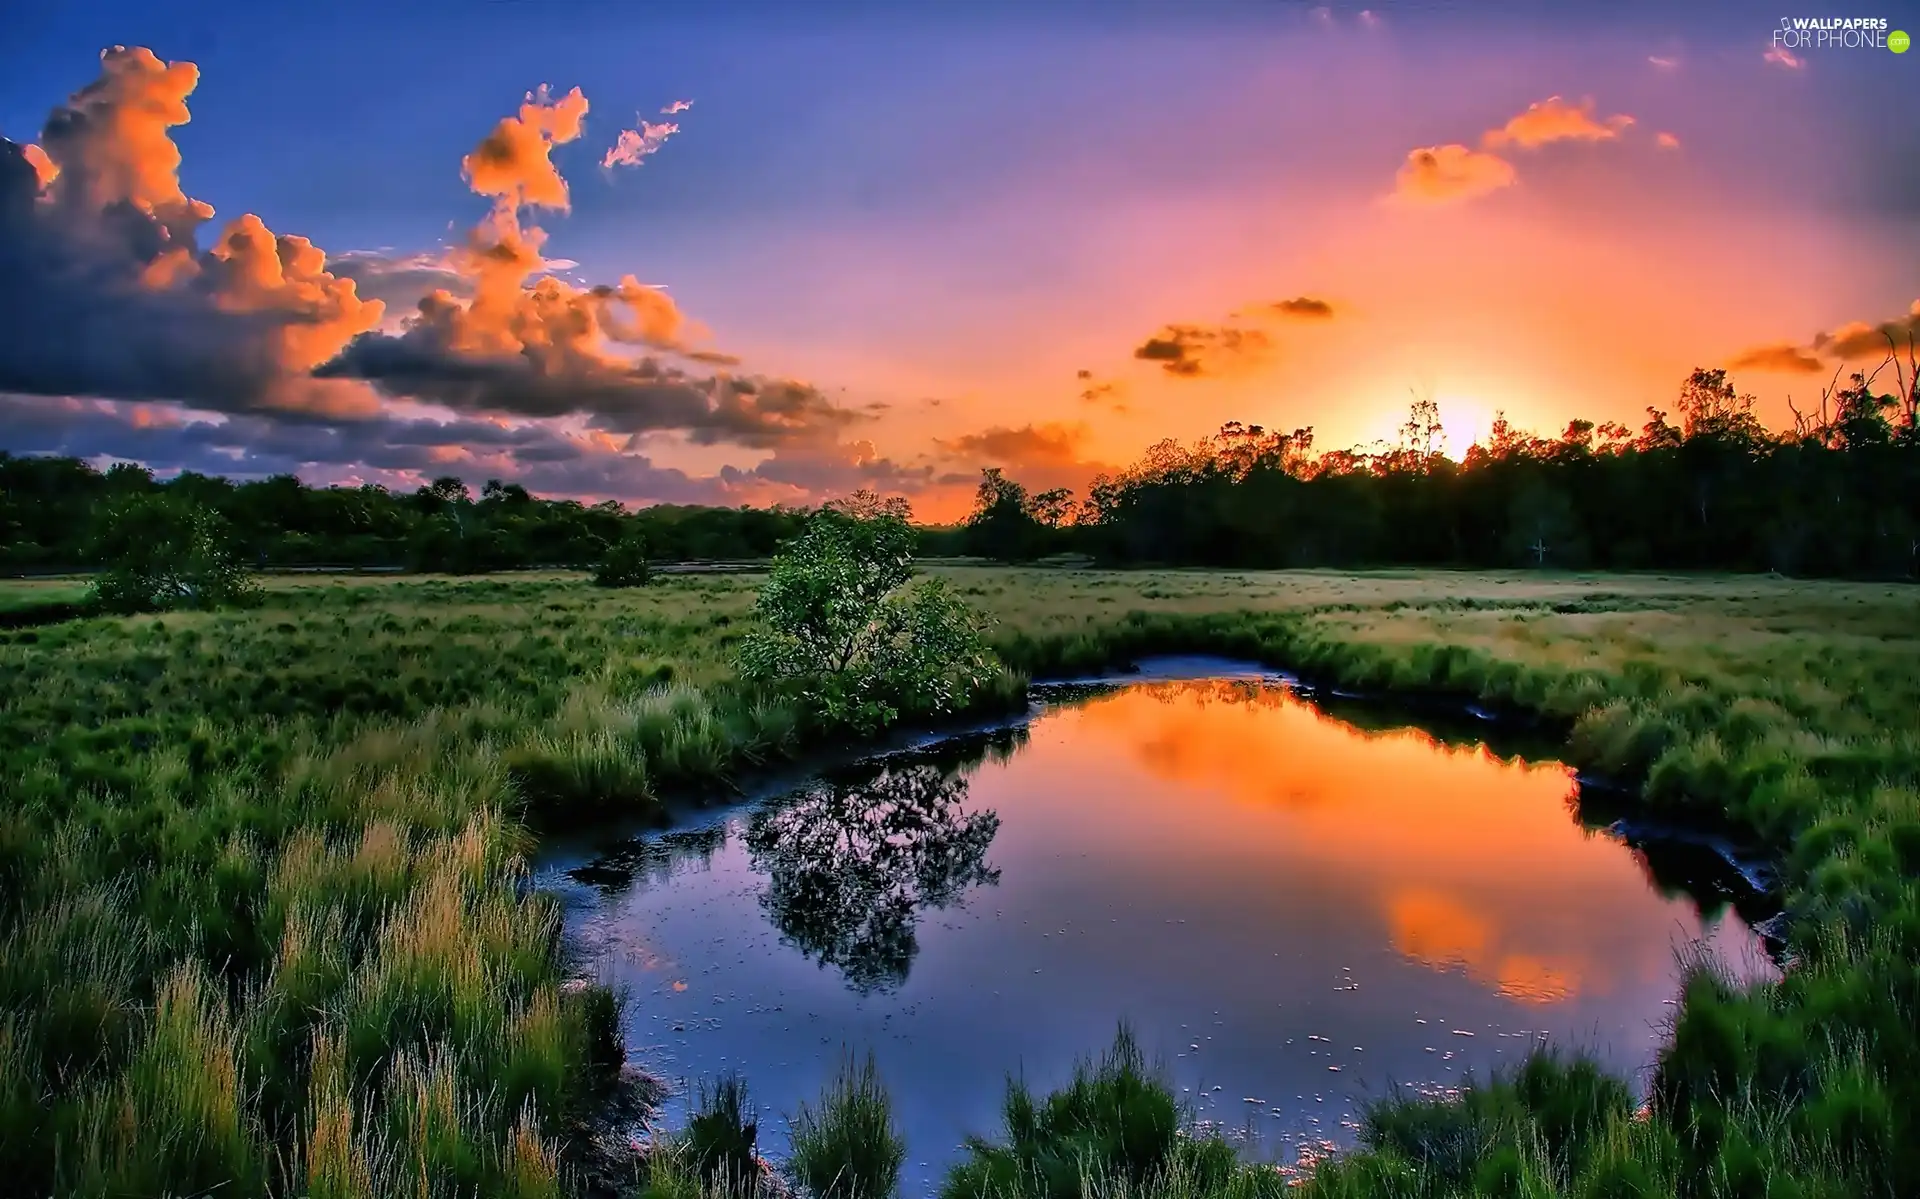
(53, 516)
(1707, 487)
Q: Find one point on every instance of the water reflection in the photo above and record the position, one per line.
(851, 865)
(1293, 909)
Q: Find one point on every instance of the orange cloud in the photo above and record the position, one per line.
(1555, 120)
(45, 169)
(1049, 444)
(633, 145)
(1666, 141)
(514, 163)
(1862, 339)
(1779, 358)
(1850, 342)
(1442, 174)
(253, 271)
(116, 296)
(111, 141)
(1780, 56)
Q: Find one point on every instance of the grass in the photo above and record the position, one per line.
(847, 1146)
(264, 926)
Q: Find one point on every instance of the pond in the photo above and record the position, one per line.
(1292, 909)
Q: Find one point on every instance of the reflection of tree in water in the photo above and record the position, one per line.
(851, 864)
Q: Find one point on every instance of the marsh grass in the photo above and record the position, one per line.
(847, 1146)
(264, 925)
(722, 1137)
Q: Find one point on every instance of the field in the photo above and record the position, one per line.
(265, 927)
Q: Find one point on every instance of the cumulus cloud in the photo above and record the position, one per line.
(676, 108)
(1452, 172)
(1555, 120)
(1443, 174)
(1188, 351)
(1666, 141)
(107, 290)
(530, 344)
(1780, 56)
(260, 353)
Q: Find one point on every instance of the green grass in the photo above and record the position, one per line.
(847, 1146)
(264, 924)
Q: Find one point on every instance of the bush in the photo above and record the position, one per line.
(625, 562)
(846, 628)
(161, 552)
(849, 1147)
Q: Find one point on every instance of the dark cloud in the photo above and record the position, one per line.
(1192, 350)
(1306, 308)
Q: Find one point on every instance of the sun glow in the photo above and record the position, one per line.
(1463, 421)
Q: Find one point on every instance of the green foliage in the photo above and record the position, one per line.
(845, 630)
(160, 552)
(625, 562)
(848, 1146)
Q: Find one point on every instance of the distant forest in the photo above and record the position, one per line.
(1707, 487)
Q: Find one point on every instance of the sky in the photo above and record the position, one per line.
(752, 253)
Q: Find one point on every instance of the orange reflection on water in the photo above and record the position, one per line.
(1437, 930)
(1460, 860)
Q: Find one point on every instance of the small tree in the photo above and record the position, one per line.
(845, 628)
(161, 552)
(625, 562)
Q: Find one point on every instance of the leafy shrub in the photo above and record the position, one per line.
(162, 552)
(863, 645)
(625, 562)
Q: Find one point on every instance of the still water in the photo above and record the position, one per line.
(1292, 911)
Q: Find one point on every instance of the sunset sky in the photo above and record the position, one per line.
(889, 244)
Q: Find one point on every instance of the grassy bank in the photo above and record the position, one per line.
(263, 923)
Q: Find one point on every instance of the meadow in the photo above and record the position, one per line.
(265, 927)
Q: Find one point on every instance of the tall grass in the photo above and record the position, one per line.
(847, 1146)
(264, 926)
